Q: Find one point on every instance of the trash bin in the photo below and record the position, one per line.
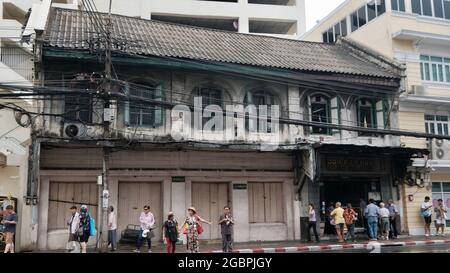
(304, 231)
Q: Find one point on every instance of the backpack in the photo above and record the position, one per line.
(92, 229)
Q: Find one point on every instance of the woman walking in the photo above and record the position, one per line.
(193, 229)
(147, 221)
(312, 223)
(170, 231)
(350, 217)
(338, 216)
(84, 229)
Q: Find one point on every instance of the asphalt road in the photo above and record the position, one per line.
(445, 248)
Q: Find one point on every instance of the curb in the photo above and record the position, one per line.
(368, 246)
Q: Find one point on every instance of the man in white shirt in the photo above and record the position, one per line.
(384, 220)
(73, 223)
(112, 228)
(426, 212)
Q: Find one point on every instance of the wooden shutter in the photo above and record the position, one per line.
(381, 114)
(335, 110)
(158, 109)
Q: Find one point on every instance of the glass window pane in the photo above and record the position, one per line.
(446, 187)
(362, 19)
(371, 11)
(426, 128)
(354, 19)
(436, 59)
(330, 36)
(424, 57)
(401, 5)
(447, 73)
(435, 72)
(422, 72)
(436, 187)
(337, 31)
(438, 8)
(325, 37)
(439, 127)
(447, 9)
(427, 72)
(429, 117)
(445, 129)
(444, 118)
(394, 5)
(441, 73)
(381, 7)
(344, 27)
(426, 6)
(416, 6)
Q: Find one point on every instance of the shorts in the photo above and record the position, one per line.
(427, 219)
(385, 225)
(72, 237)
(339, 226)
(85, 237)
(440, 222)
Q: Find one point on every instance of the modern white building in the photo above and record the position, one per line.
(283, 18)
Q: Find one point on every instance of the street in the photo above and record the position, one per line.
(398, 249)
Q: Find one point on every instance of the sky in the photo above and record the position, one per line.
(318, 9)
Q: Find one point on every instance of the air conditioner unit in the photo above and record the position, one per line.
(440, 149)
(418, 90)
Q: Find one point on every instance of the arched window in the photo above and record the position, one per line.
(79, 107)
(259, 98)
(144, 114)
(212, 95)
(320, 111)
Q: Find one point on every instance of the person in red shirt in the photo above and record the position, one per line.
(350, 217)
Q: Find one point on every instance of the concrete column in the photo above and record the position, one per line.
(44, 191)
(294, 113)
(243, 24)
(289, 202)
(114, 193)
(239, 198)
(178, 191)
(167, 196)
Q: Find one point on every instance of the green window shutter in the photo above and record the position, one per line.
(126, 106)
(158, 109)
(381, 115)
(308, 129)
(335, 114)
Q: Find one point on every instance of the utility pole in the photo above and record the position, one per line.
(106, 94)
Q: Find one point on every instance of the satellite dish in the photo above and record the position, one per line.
(72, 130)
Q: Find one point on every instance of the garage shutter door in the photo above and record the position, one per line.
(265, 202)
(209, 200)
(64, 195)
(132, 198)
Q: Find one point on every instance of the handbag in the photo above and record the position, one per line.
(199, 226)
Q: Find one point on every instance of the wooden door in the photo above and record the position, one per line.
(209, 200)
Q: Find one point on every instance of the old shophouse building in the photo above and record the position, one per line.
(161, 64)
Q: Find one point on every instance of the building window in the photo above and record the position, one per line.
(367, 13)
(265, 202)
(319, 111)
(333, 34)
(78, 108)
(436, 69)
(211, 95)
(436, 125)
(398, 5)
(144, 114)
(367, 114)
(441, 191)
(435, 8)
(259, 98)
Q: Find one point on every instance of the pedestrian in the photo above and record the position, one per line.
(312, 224)
(350, 217)
(372, 213)
(384, 221)
(73, 223)
(226, 223)
(393, 214)
(9, 228)
(329, 228)
(84, 228)
(112, 228)
(426, 211)
(441, 217)
(339, 222)
(170, 231)
(147, 221)
(193, 228)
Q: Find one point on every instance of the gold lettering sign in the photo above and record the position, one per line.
(353, 165)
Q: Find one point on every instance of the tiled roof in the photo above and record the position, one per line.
(72, 29)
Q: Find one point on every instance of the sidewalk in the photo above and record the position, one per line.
(298, 247)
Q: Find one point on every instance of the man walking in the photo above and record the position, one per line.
(112, 228)
(226, 223)
(426, 211)
(393, 213)
(441, 217)
(73, 225)
(372, 213)
(10, 223)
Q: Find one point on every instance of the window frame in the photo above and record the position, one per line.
(373, 113)
(401, 6)
(443, 4)
(266, 94)
(435, 125)
(427, 65)
(441, 193)
(327, 103)
(142, 112)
